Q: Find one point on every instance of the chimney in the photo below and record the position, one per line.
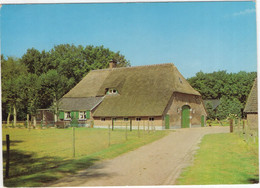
(112, 64)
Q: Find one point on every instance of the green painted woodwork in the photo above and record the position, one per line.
(88, 114)
(61, 115)
(185, 117)
(77, 114)
(202, 121)
(167, 121)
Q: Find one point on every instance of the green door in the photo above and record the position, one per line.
(202, 121)
(167, 121)
(185, 117)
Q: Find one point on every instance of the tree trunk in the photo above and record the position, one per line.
(34, 121)
(28, 121)
(15, 115)
(9, 115)
(55, 109)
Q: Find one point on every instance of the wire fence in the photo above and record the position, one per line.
(244, 130)
(36, 150)
(45, 124)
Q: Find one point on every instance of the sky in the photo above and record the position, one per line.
(195, 36)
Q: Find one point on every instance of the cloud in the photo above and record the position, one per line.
(244, 12)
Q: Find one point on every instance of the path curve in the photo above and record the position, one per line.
(157, 163)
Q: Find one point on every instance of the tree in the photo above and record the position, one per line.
(40, 79)
(52, 87)
(210, 111)
(32, 60)
(12, 70)
(228, 106)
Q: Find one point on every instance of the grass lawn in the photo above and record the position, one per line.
(40, 156)
(223, 159)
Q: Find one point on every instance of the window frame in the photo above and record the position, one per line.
(84, 115)
(67, 115)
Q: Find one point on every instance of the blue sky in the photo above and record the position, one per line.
(206, 36)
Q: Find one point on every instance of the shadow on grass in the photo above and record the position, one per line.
(254, 180)
(12, 142)
(27, 170)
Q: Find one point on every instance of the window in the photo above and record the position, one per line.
(138, 119)
(103, 119)
(67, 115)
(82, 115)
(151, 118)
(112, 91)
(125, 119)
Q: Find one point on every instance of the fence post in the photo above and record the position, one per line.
(130, 124)
(126, 131)
(7, 156)
(143, 127)
(138, 130)
(243, 126)
(108, 135)
(73, 142)
(112, 124)
(148, 127)
(231, 125)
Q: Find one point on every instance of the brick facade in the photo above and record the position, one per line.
(174, 109)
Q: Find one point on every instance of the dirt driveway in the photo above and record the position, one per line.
(158, 163)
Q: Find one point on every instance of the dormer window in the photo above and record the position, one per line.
(112, 91)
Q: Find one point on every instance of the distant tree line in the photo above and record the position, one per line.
(232, 89)
(39, 79)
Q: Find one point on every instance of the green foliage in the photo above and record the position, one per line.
(40, 79)
(211, 113)
(231, 88)
(74, 121)
(229, 106)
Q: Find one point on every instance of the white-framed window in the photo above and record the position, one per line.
(151, 118)
(103, 119)
(67, 115)
(126, 119)
(82, 115)
(112, 91)
(138, 119)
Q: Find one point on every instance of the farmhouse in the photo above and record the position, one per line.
(251, 108)
(155, 95)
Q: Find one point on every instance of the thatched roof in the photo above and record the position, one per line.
(79, 104)
(89, 85)
(252, 102)
(143, 90)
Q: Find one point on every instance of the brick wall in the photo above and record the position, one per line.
(174, 109)
(158, 122)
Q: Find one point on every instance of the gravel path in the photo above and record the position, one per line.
(158, 163)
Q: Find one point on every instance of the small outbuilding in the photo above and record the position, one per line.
(251, 108)
(153, 94)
